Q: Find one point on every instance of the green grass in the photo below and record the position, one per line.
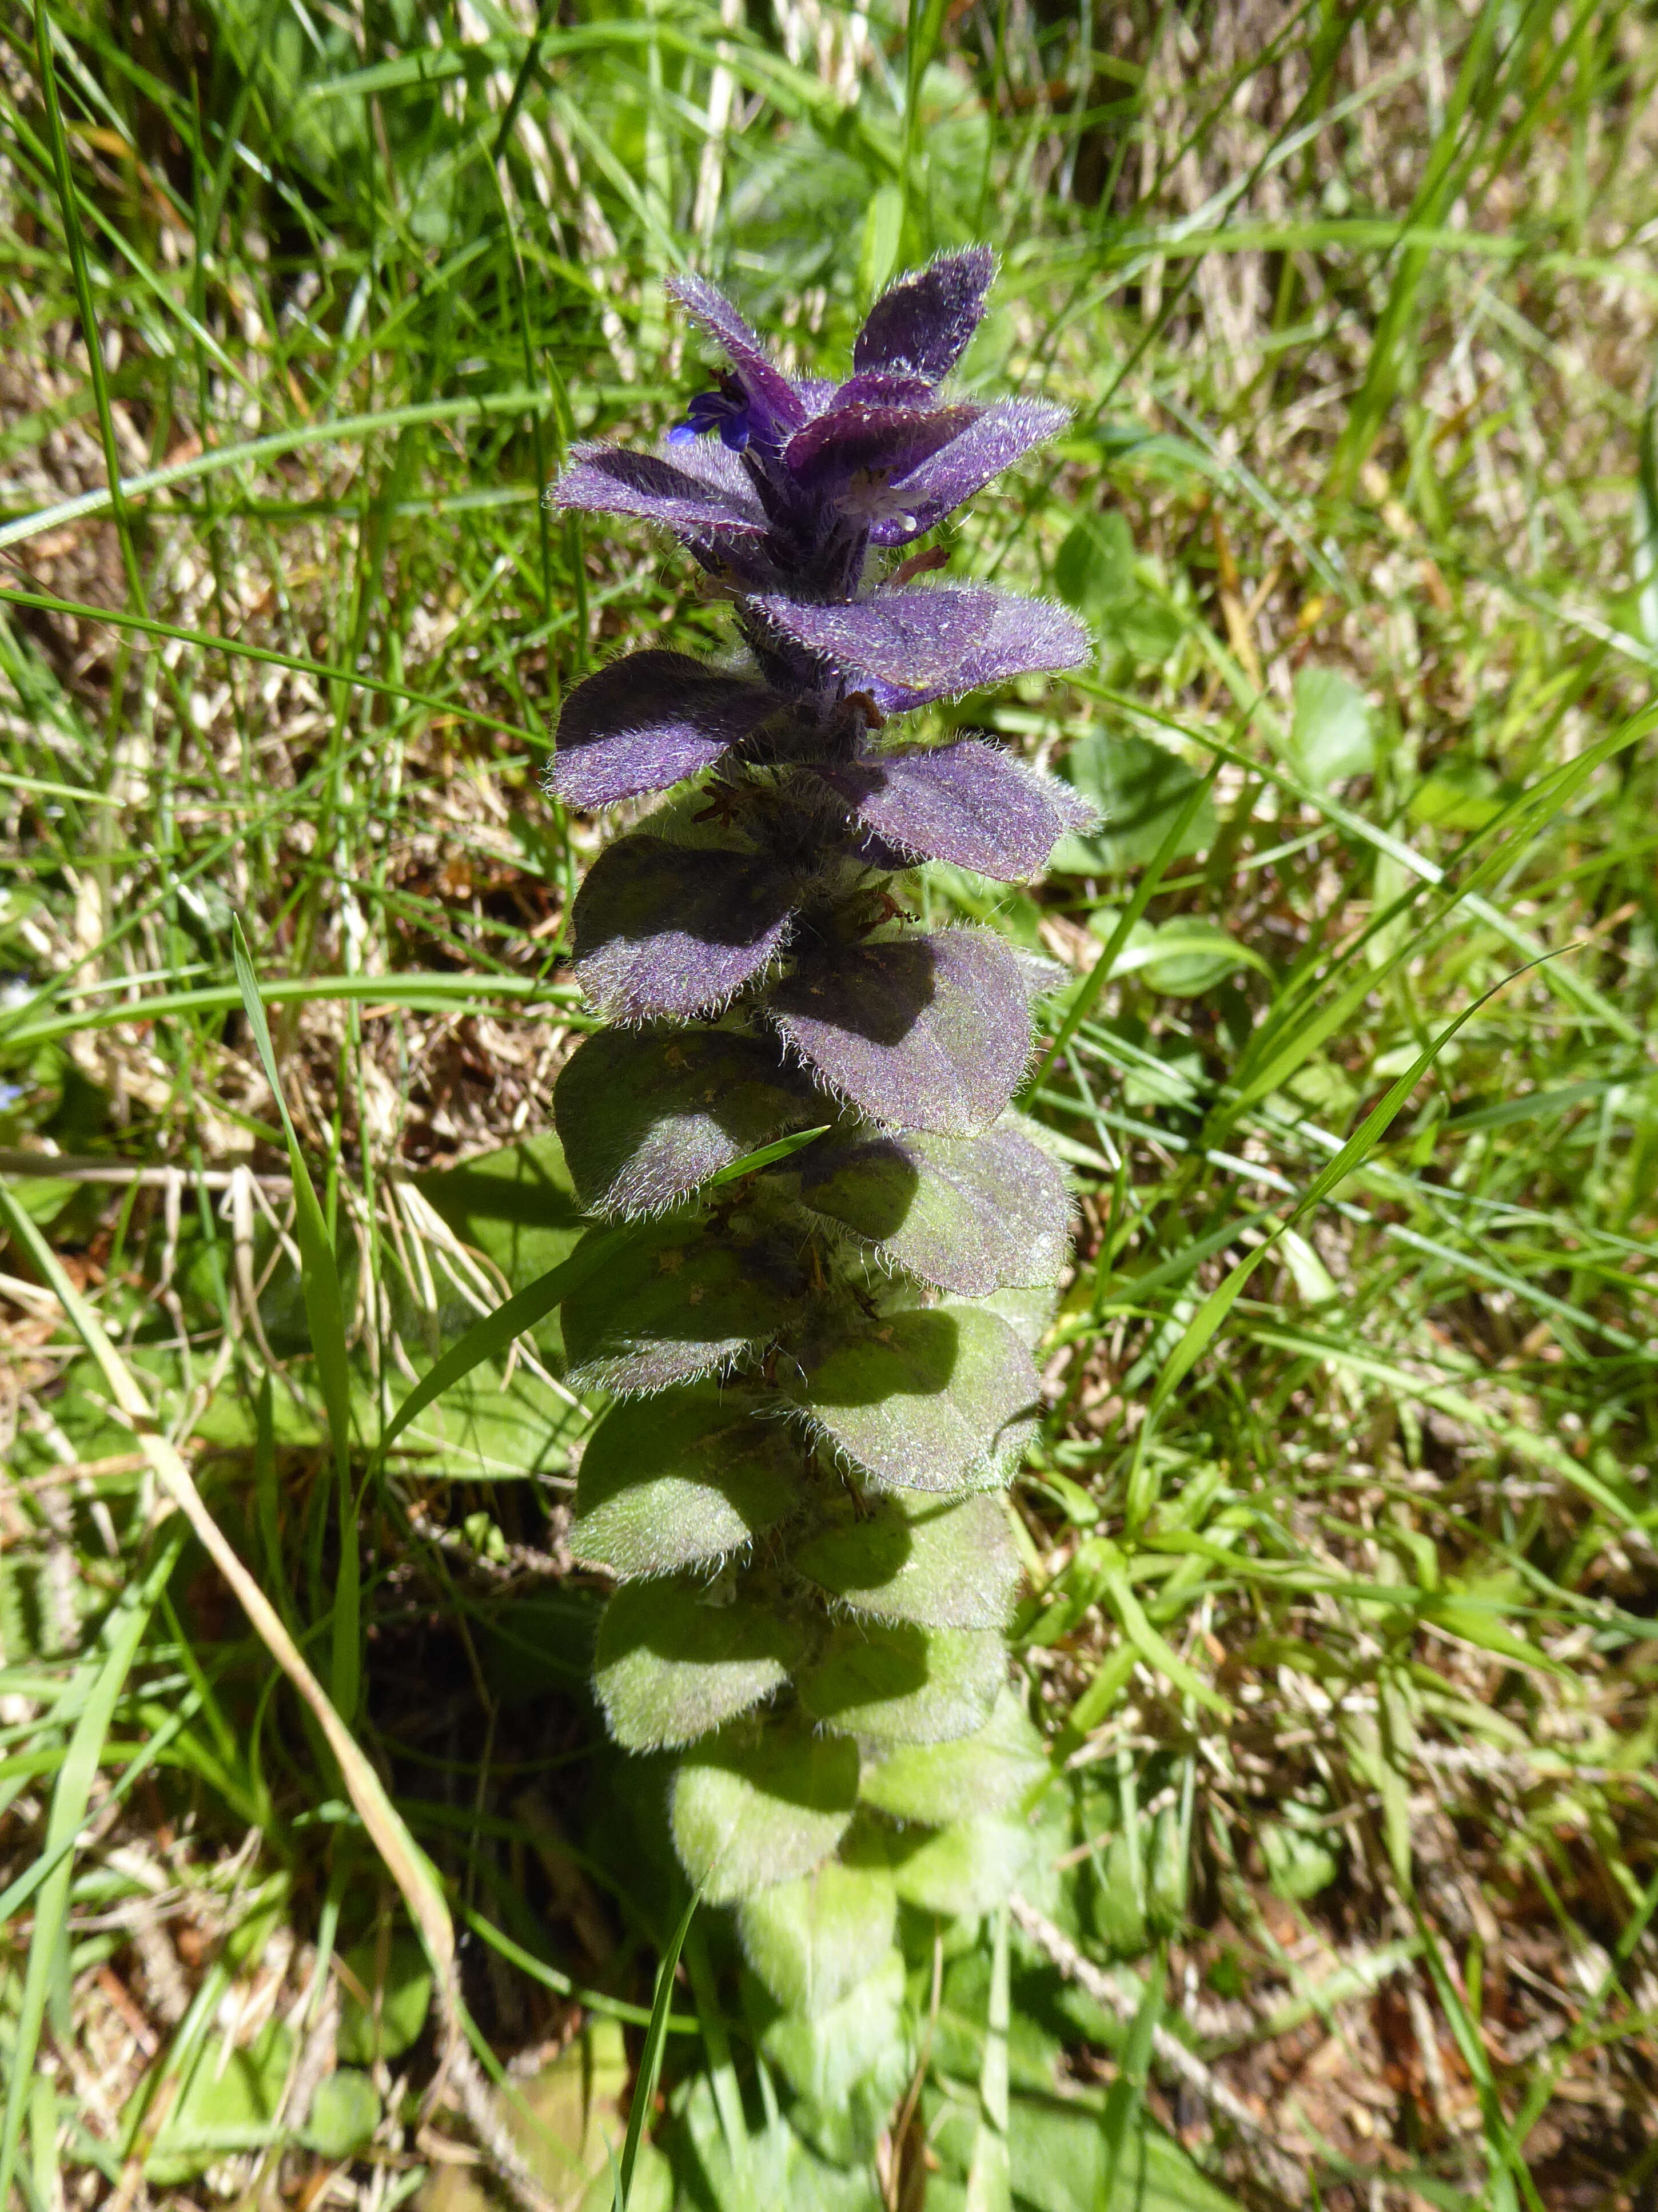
(1340, 1535)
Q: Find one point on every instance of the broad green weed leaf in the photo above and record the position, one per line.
(986, 1771)
(812, 1940)
(684, 1476)
(1332, 736)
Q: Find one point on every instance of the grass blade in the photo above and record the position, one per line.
(650, 2059)
(325, 1315)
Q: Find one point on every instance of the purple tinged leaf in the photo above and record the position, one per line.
(969, 803)
(929, 1399)
(970, 1214)
(774, 395)
(645, 1116)
(914, 643)
(922, 326)
(946, 479)
(675, 931)
(647, 722)
(694, 502)
(919, 1032)
(676, 1304)
(945, 1563)
(882, 387)
(890, 440)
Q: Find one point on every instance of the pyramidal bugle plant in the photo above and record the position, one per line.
(821, 1372)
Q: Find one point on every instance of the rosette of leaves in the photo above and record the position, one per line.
(822, 1373)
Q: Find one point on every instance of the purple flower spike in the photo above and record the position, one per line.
(648, 721)
(921, 326)
(966, 803)
(776, 401)
(914, 644)
(859, 1317)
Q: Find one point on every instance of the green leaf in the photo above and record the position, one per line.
(879, 244)
(679, 1300)
(674, 1660)
(897, 1683)
(824, 2057)
(1459, 793)
(984, 1772)
(1297, 1864)
(344, 2114)
(227, 2102)
(650, 2063)
(759, 1807)
(945, 1566)
(967, 1869)
(685, 1476)
(1332, 735)
(489, 1337)
(399, 2000)
(814, 1940)
(1139, 789)
(517, 1206)
(928, 1399)
(1094, 569)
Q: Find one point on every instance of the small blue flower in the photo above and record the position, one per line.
(728, 412)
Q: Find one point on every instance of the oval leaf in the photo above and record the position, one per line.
(670, 1664)
(645, 1116)
(944, 1566)
(673, 931)
(919, 1032)
(754, 1809)
(682, 1478)
(970, 1214)
(896, 1683)
(927, 1401)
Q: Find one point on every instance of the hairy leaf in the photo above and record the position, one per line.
(824, 2059)
(967, 803)
(895, 1682)
(753, 1809)
(912, 643)
(972, 1214)
(680, 1478)
(676, 1302)
(914, 1558)
(964, 1869)
(928, 1399)
(919, 1032)
(610, 480)
(673, 1662)
(921, 326)
(648, 721)
(985, 1772)
(857, 437)
(675, 931)
(645, 1116)
(947, 479)
(812, 1940)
